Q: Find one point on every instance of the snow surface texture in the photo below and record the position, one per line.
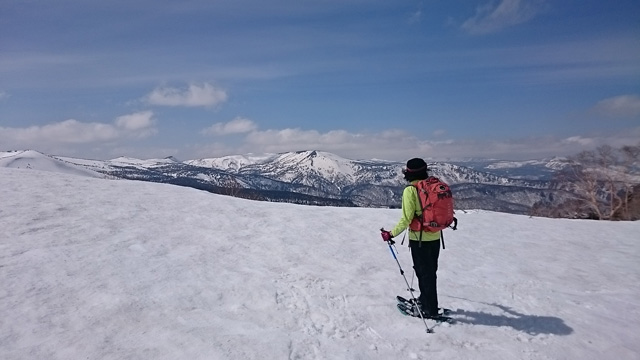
(114, 269)
(30, 159)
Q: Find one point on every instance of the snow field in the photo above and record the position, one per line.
(114, 269)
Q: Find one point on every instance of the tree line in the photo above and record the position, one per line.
(601, 184)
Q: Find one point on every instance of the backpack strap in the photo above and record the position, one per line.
(421, 216)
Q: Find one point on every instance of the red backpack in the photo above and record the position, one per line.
(436, 201)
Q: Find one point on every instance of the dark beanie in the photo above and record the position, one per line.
(416, 170)
(416, 164)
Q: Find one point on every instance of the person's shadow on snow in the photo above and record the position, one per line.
(530, 324)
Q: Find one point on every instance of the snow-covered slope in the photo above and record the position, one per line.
(230, 163)
(120, 162)
(31, 159)
(102, 269)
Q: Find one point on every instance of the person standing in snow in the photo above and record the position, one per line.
(424, 245)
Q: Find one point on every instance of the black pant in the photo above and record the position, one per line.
(425, 262)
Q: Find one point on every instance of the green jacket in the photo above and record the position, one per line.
(411, 208)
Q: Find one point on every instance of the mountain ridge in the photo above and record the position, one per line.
(315, 175)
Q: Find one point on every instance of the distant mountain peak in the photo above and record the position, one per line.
(308, 152)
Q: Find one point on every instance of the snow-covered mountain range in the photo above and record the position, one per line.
(316, 177)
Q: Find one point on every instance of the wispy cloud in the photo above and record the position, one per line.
(495, 16)
(238, 125)
(4, 95)
(19, 61)
(416, 16)
(619, 106)
(194, 95)
(555, 61)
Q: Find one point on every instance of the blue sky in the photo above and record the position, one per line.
(508, 79)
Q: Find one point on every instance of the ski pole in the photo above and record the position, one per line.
(390, 243)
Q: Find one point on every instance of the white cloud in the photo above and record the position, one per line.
(67, 131)
(238, 125)
(4, 95)
(82, 139)
(280, 140)
(400, 145)
(623, 105)
(74, 132)
(135, 121)
(578, 140)
(389, 144)
(492, 17)
(193, 96)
